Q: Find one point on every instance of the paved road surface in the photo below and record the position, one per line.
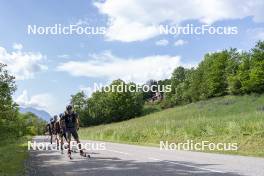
(128, 160)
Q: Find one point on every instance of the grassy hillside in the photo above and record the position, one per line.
(226, 119)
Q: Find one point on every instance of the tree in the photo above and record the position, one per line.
(125, 104)
(178, 76)
(216, 74)
(257, 72)
(30, 124)
(243, 72)
(13, 123)
(234, 83)
(109, 106)
(188, 93)
(7, 88)
(149, 94)
(79, 102)
(175, 96)
(98, 108)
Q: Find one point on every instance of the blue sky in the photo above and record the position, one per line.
(49, 68)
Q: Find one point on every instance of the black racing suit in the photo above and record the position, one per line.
(70, 120)
(51, 130)
(62, 128)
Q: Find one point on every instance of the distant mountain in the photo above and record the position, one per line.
(40, 113)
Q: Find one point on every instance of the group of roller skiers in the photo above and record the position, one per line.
(63, 127)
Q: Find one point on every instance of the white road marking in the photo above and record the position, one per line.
(115, 151)
(181, 164)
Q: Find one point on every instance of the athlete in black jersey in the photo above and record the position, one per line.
(50, 128)
(71, 121)
(62, 131)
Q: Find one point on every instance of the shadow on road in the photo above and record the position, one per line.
(51, 163)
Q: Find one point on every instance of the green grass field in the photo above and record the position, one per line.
(13, 153)
(235, 119)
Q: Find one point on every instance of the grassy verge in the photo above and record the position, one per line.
(13, 152)
(230, 119)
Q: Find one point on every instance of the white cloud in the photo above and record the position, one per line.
(260, 35)
(256, 33)
(180, 42)
(43, 101)
(17, 46)
(128, 32)
(63, 56)
(87, 90)
(136, 20)
(21, 64)
(162, 42)
(81, 22)
(138, 70)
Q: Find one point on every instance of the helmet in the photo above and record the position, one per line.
(69, 107)
(55, 117)
(51, 119)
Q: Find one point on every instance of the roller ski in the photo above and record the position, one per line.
(69, 155)
(83, 154)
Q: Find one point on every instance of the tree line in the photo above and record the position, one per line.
(12, 122)
(226, 72)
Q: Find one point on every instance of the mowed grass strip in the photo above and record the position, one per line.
(229, 119)
(13, 153)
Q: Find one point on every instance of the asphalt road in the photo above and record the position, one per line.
(128, 160)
